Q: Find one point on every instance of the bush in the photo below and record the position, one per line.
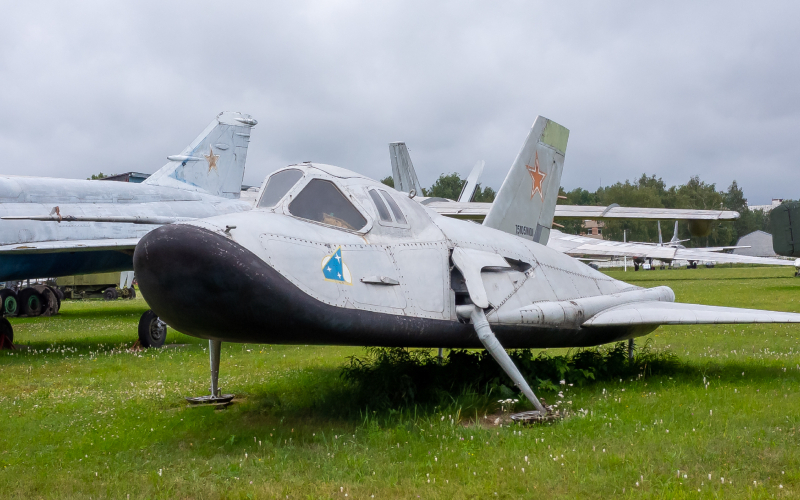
(395, 377)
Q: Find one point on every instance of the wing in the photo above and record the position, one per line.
(616, 212)
(477, 211)
(581, 246)
(118, 219)
(722, 249)
(69, 246)
(673, 313)
(702, 255)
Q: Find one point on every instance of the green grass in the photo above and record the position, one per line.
(80, 417)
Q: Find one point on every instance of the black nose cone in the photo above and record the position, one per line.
(200, 282)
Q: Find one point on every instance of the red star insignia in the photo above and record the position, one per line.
(537, 176)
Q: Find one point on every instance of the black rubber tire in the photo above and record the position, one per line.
(110, 294)
(8, 302)
(59, 296)
(152, 333)
(31, 302)
(49, 301)
(132, 293)
(7, 331)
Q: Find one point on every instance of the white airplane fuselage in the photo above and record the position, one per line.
(271, 276)
(35, 196)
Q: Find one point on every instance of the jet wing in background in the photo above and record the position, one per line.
(477, 211)
(581, 246)
(95, 245)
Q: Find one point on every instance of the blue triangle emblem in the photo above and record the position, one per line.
(334, 268)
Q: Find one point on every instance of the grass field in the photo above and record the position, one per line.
(81, 417)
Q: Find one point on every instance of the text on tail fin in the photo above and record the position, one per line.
(526, 202)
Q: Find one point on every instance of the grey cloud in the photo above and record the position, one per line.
(673, 90)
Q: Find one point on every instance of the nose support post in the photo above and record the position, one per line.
(216, 398)
(214, 349)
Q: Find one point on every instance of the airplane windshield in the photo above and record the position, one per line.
(277, 186)
(321, 201)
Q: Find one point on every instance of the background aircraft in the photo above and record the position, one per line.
(84, 226)
(586, 248)
(332, 257)
(404, 176)
(581, 246)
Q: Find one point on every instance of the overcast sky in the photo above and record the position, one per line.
(682, 89)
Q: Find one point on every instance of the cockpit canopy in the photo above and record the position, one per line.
(277, 186)
(321, 201)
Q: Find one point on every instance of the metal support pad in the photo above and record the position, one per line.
(215, 399)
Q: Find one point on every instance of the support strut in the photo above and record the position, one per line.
(216, 398)
(214, 349)
(490, 342)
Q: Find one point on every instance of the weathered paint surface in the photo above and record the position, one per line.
(183, 189)
(261, 281)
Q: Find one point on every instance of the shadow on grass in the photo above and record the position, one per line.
(395, 388)
(392, 383)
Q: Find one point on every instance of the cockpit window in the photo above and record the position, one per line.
(321, 201)
(383, 212)
(398, 214)
(277, 186)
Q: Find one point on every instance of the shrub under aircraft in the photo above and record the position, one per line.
(331, 257)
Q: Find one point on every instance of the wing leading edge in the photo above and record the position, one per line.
(478, 210)
(121, 244)
(674, 313)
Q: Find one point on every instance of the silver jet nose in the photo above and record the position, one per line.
(204, 284)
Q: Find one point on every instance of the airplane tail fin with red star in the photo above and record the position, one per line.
(214, 162)
(526, 202)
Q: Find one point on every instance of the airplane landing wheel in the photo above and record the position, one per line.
(6, 334)
(131, 293)
(8, 302)
(152, 331)
(50, 303)
(110, 294)
(30, 302)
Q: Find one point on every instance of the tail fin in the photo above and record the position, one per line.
(675, 239)
(214, 162)
(468, 191)
(660, 239)
(405, 178)
(526, 202)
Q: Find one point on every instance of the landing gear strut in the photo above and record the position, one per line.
(490, 342)
(216, 398)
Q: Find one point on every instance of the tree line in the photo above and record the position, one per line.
(646, 192)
